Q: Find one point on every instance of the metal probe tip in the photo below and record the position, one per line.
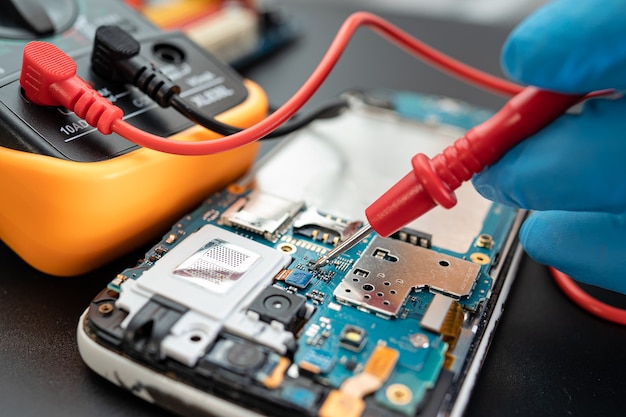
(343, 246)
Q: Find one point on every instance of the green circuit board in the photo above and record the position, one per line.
(309, 336)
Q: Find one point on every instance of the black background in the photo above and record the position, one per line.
(548, 357)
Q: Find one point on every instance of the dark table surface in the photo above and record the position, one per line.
(548, 357)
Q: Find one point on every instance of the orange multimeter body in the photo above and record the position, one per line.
(66, 218)
(74, 199)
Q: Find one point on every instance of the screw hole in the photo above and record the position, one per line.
(106, 308)
(287, 248)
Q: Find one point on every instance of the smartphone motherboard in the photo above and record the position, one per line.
(227, 316)
(228, 303)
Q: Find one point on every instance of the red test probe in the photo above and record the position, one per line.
(433, 181)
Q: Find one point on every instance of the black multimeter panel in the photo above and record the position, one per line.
(57, 132)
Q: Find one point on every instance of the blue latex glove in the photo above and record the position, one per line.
(574, 171)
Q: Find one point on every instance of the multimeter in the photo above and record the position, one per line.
(74, 199)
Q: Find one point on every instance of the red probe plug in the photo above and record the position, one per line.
(433, 182)
(48, 78)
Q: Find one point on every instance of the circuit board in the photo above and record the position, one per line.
(228, 303)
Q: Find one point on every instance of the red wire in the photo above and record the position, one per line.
(587, 302)
(287, 110)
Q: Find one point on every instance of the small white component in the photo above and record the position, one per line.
(293, 371)
(189, 338)
(334, 306)
(250, 327)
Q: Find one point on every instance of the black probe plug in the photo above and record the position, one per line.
(116, 57)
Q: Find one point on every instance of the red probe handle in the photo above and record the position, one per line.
(433, 182)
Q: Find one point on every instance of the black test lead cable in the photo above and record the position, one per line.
(327, 110)
(116, 57)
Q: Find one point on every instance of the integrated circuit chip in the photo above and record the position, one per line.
(299, 279)
(353, 338)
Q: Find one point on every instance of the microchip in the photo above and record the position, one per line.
(261, 213)
(211, 271)
(299, 279)
(317, 361)
(353, 338)
(351, 365)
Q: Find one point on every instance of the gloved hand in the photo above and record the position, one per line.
(574, 171)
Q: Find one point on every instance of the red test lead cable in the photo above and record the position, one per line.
(586, 301)
(432, 182)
